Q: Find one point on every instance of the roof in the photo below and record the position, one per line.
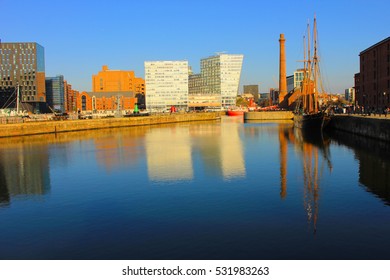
(376, 45)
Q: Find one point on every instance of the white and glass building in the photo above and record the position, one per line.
(230, 68)
(219, 79)
(166, 84)
(295, 81)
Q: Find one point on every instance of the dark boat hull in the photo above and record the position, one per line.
(310, 121)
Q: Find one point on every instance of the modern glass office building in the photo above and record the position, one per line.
(22, 65)
(55, 93)
(166, 84)
(220, 75)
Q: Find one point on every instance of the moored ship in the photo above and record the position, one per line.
(308, 114)
(234, 112)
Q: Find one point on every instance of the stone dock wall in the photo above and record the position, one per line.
(45, 127)
(268, 115)
(369, 126)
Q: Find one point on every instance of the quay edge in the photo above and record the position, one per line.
(373, 127)
(46, 127)
(268, 115)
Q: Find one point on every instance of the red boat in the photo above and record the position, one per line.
(236, 112)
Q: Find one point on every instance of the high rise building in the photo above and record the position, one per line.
(55, 93)
(166, 84)
(350, 95)
(218, 82)
(221, 76)
(253, 90)
(22, 65)
(372, 84)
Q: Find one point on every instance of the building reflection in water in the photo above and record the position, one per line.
(286, 135)
(206, 147)
(168, 153)
(171, 150)
(314, 150)
(232, 160)
(374, 162)
(120, 147)
(24, 170)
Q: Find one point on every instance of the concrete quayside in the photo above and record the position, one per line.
(45, 127)
(373, 126)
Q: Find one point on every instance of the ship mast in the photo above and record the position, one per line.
(315, 61)
(309, 103)
(305, 77)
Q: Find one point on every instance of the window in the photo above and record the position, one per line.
(84, 103)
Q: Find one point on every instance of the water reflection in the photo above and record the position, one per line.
(173, 189)
(232, 160)
(119, 148)
(314, 154)
(24, 170)
(374, 162)
(168, 153)
(314, 147)
(170, 150)
(286, 135)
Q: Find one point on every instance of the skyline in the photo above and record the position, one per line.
(80, 37)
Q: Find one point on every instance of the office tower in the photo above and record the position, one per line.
(22, 65)
(166, 84)
(220, 76)
(55, 93)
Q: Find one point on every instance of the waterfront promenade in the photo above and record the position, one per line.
(45, 127)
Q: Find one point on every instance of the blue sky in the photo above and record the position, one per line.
(81, 36)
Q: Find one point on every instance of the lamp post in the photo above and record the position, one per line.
(364, 104)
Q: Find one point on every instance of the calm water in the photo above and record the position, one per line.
(210, 190)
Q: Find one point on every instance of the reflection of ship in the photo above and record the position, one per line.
(312, 145)
(307, 114)
(314, 148)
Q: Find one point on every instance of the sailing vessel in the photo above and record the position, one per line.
(308, 114)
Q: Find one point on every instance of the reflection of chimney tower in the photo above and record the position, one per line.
(282, 72)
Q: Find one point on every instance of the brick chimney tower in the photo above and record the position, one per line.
(282, 72)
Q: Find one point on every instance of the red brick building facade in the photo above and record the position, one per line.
(105, 101)
(372, 84)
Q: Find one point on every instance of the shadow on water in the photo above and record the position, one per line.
(374, 162)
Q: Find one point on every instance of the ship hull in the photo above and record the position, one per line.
(233, 113)
(310, 121)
